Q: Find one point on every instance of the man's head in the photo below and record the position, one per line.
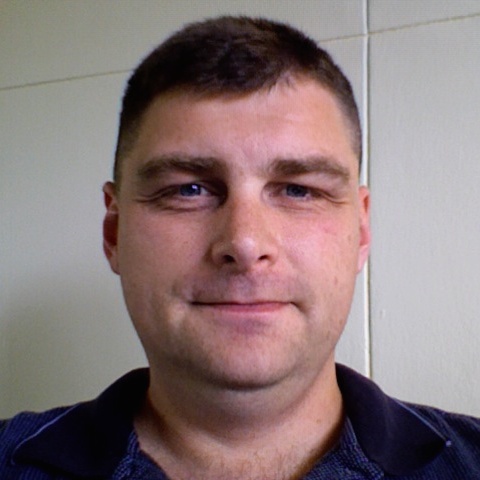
(239, 226)
(230, 56)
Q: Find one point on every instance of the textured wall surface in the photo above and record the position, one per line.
(64, 331)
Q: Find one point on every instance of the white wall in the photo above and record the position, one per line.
(64, 332)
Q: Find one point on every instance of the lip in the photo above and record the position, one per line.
(254, 307)
(244, 318)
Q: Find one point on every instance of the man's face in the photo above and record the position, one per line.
(238, 230)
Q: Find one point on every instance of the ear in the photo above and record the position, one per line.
(365, 235)
(110, 226)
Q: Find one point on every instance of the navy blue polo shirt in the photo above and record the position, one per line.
(382, 438)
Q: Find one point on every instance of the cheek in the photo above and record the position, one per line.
(326, 241)
(157, 258)
(154, 240)
(326, 256)
(154, 258)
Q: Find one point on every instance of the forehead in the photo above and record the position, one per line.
(299, 119)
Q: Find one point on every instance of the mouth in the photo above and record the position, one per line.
(251, 319)
(253, 307)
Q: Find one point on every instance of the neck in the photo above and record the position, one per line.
(271, 433)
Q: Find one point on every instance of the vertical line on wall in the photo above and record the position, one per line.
(366, 178)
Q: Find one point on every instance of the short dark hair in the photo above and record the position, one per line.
(228, 56)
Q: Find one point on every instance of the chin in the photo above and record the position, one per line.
(232, 375)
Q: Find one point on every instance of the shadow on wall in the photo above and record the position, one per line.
(66, 340)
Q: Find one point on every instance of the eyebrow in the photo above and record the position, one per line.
(323, 165)
(163, 164)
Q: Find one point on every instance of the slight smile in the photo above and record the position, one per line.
(256, 307)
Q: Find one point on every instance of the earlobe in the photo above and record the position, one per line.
(365, 234)
(110, 226)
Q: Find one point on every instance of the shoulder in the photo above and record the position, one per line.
(16, 430)
(88, 438)
(461, 455)
(404, 438)
(463, 429)
(25, 424)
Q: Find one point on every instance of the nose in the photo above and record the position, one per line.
(245, 236)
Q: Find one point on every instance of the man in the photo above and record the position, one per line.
(237, 225)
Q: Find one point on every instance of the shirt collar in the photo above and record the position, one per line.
(90, 439)
(391, 433)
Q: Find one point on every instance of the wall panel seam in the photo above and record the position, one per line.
(64, 80)
(426, 23)
(366, 173)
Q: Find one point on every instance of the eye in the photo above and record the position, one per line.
(297, 191)
(191, 190)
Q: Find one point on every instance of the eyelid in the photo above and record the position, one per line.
(313, 194)
(180, 187)
(176, 189)
(318, 181)
(171, 193)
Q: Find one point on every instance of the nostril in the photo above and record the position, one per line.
(242, 251)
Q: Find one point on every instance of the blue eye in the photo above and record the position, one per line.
(298, 191)
(190, 190)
